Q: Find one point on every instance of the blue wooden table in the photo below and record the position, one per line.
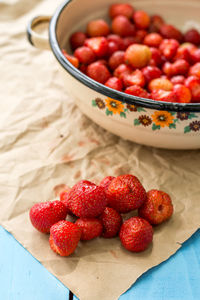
(22, 277)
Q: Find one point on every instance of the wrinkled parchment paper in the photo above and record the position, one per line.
(46, 141)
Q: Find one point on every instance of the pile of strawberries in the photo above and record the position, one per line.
(97, 210)
(139, 55)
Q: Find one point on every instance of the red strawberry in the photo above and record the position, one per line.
(136, 90)
(106, 181)
(44, 215)
(135, 78)
(171, 32)
(99, 45)
(84, 182)
(166, 96)
(136, 234)
(90, 228)
(64, 199)
(111, 221)
(157, 208)
(125, 193)
(87, 200)
(64, 194)
(98, 72)
(114, 83)
(64, 237)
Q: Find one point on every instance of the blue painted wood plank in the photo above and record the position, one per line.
(23, 277)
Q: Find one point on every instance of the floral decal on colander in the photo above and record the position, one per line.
(157, 120)
(115, 107)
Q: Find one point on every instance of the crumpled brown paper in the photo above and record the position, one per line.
(46, 141)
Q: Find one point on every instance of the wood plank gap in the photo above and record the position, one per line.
(71, 295)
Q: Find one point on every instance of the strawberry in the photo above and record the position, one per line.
(122, 26)
(90, 228)
(87, 200)
(117, 40)
(170, 32)
(192, 36)
(136, 234)
(77, 39)
(64, 199)
(116, 59)
(193, 84)
(156, 22)
(125, 193)
(168, 48)
(119, 9)
(136, 90)
(99, 45)
(183, 93)
(106, 181)
(98, 72)
(114, 83)
(72, 59)
(111, 221)
(135, 78)
(64, 237)
(85, 55)
(43, 215)
(157, 208)
(166, 96)
(97, 28)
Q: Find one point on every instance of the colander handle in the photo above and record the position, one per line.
(36, 39)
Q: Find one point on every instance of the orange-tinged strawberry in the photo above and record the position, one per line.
(64, 237)
(157, 208)
(193, 84)
(138, 56)
(125, 193)
(160, 84)
(141, 19)
(97, 28)
(195, 70)
(72, 59)
(90, 228)
(136, 234)
(43, 215)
